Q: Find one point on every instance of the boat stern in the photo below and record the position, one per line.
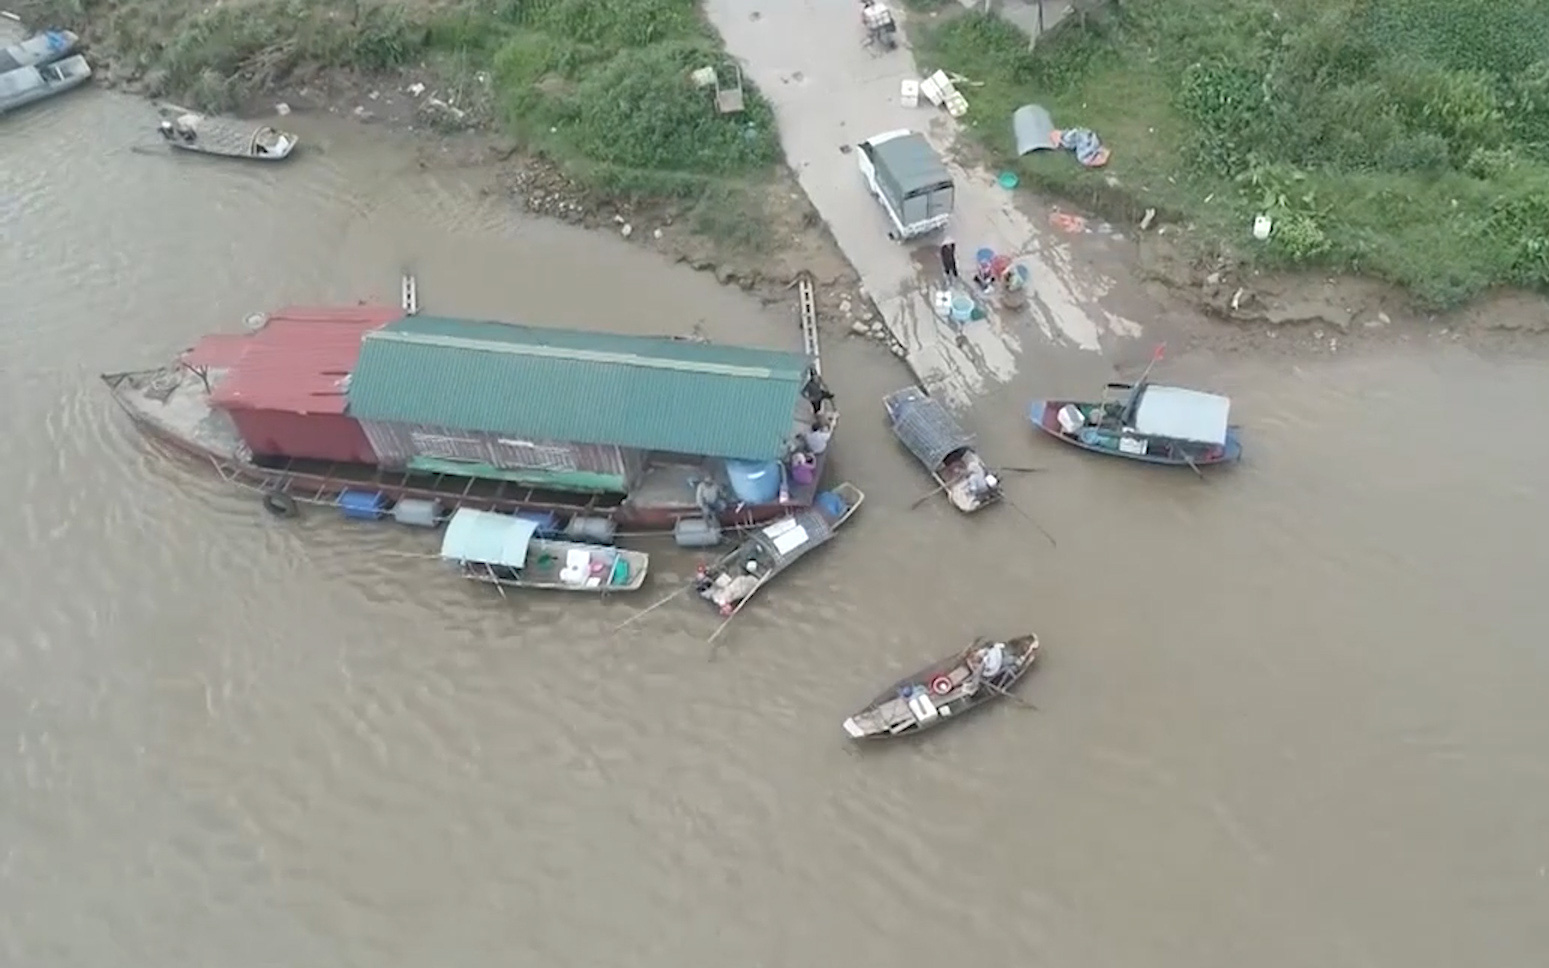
(1231, 451)
(854, 729)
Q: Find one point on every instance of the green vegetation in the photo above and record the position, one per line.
(601, 86)
(1404, 139)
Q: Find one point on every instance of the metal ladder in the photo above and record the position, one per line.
(809, 322)
(410, 295)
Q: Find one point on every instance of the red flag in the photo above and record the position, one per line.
(1157, 353)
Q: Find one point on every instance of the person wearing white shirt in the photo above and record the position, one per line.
(817, 438)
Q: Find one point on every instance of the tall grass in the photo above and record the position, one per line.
(603, 86)
(1407, 139)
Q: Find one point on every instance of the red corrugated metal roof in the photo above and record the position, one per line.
(217, 352)
(298, 360)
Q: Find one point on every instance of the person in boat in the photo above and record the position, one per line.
(988, 663)
(981, 483)
(707, 494)
(166, 130)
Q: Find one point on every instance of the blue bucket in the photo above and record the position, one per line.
(962, 309)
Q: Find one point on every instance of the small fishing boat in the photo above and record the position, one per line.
(190, 131)
(944, 690)
(27, 85)
(730, 582)
(936, 440)
(39, 49)
(1145, 422)
(503, 550)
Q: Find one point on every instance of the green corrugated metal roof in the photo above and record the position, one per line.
(652, 393)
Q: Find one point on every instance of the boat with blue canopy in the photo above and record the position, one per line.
(1147, 422)
(929, 431)
(504, 550)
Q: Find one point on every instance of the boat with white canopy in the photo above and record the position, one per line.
(504, 550)
(1146, 422)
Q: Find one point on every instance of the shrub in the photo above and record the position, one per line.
(1404, 138)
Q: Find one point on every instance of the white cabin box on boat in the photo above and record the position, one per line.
(909, 180)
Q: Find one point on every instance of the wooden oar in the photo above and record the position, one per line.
(658, 604)
(1029, 517)
(710, 657)
(992, 687)
(1194, 467)
(926, 497)
(1022, 470)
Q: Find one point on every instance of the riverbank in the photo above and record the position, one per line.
(588, 112)
(1401, 142)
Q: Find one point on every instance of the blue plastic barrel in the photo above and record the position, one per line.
(363, 505)
(754, 482)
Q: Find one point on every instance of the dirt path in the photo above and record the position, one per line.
(829, 91)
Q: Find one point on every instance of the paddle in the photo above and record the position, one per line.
(927, 496)
(1194, 467)
(942, 487)
(1044, 531)
(992, 687)
(653, 607)
(710, 656)
(997, 690)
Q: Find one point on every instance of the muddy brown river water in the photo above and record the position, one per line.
(1293, 716)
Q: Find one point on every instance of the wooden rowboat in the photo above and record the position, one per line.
(731, 581)
(1145, 422)
(929, 432)
(941, 692)
(190, 131)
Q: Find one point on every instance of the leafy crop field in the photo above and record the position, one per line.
(1403, 139)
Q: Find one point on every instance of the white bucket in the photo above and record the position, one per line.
(1261, 227)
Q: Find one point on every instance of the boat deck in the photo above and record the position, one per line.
(173, 403)
(671, 484)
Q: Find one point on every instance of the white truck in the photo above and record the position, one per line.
(909, 180)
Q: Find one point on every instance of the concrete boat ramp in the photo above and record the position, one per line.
(829, 91)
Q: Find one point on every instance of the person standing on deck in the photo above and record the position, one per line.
(707, 494)
(949, 259)
(816, 392)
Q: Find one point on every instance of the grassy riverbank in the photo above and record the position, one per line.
(1402, 139)
(601, 86)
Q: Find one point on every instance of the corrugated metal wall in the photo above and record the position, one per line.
(316, 436)
(397, 444)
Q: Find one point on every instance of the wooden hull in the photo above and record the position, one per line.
(935, 439)
(1044, 415)
(196, 149)
(958, 494)
(890, 714)
(639, 564)
(732, 564)
(321, 482)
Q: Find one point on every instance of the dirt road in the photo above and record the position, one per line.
(831, 90)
